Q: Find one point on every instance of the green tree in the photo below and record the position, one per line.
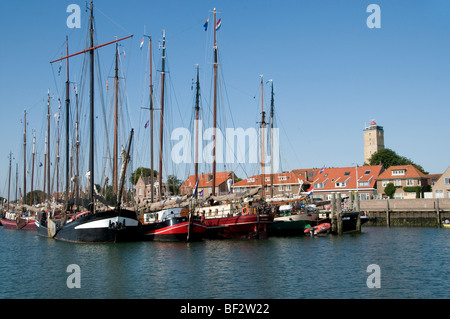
(38, 197)
(389, 190)
(173, 183)
(141, 171)
(388, 158)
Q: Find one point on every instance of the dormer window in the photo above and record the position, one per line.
(251, 180)
(282, 178)
(398, 172)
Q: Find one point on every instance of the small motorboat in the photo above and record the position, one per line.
(446, 223)
(319, 229)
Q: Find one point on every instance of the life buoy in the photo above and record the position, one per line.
(245, 211)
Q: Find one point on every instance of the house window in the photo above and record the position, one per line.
(409, 182)
(366, 172)
(346, 173)
(267, 179)
(288, 187)
(341, 184)
(439, 194)
(447, 181)
(398, 195)
(281, 188)
(282, 178)
(140, 192)
(364, 183)
(364, 196)
(397, 182)
(398, 172)
(384, 183)
(251, 180)
(318, 185)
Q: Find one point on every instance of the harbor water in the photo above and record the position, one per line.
(412, 263)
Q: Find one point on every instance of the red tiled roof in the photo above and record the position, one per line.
(286, 178)
(330, 176)
(410, 172)
(205, 180)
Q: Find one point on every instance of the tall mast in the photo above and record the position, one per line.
(91, 141)
(215, 108)
(9, 177)
(67, 125)
(197, 109)
(151, 119)
(24, 157)
(32, 167)
(262, 141)
(77, 145)
(161, 127)
(57, 157)
(116, 99)
(48, 145)
(271, 142)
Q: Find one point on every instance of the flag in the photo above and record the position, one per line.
(206, 25)
(40, 164)
(218, 24)
(107, 87)
(323, 168)
(124, 54)
(195, 189)
(200, 194)
(142, 43)
(146, 124)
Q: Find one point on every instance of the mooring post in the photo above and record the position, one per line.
(333, 213)
(388, 221)
(358, 222)
(438, 213)
(340, 230)
(357, 199)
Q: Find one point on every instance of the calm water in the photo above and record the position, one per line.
(414, 263)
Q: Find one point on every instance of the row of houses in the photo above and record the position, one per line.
(369, 181)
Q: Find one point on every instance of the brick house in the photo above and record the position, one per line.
(346, 180)
(405, 178)
(143, 188)
(441, 188)
(223, 180)
(285, 184)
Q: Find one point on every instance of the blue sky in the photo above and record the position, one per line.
(332, 74)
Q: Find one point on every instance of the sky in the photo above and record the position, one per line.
(332, 75)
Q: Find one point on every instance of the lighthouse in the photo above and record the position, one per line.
(373, 140)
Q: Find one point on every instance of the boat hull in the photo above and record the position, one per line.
(102, 227)
(173, 229)
(243, 226)
(21, 224)
(293, 225)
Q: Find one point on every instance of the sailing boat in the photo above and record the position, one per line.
(24, 219)
(168, 220)
(234, 215)
(92, 225)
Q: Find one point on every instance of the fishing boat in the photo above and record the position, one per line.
(21, 217)
(97, 224)
(232, 215)
(167, 219)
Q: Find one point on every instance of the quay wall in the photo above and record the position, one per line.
(426, 212)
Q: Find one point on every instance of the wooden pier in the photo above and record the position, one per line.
(407, 212)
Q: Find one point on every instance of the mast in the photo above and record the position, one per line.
(161, 124)
(271, 142)
(91, 141)
(32, 167)
(262, 142)
(48, 146)
(9, 177)
(57, 157)
(116, 98)
(197, 109)
(25, 157)
(215, 108)
(77, 144)
(67, 125)
(151, 120)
